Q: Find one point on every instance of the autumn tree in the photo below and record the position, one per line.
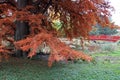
(77, 18)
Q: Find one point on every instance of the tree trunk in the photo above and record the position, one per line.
(22, 29)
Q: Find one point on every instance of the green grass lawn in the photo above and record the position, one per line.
(19, 69)
(113, 54)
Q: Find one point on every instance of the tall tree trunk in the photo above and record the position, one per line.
(22, 29)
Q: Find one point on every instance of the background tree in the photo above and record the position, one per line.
(77, 17)
(99, 30)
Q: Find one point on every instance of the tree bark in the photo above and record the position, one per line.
(22, 29)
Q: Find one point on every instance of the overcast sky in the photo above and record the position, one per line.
(116, 14)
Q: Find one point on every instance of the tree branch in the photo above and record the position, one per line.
(47, 6)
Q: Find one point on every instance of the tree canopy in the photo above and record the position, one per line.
(77, 18)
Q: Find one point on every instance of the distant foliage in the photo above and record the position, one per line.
(77, 18)
(99, 30)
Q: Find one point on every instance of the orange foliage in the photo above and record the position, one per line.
(59, 51)
(77, 17)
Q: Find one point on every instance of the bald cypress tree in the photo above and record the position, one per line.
(76, 16)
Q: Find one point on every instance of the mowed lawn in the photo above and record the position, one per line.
(24, 69)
